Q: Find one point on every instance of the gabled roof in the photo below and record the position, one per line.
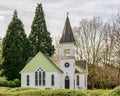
(81, 66)
(67, 35)
(40, 60)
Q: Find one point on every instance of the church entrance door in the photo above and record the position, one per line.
(67, 82)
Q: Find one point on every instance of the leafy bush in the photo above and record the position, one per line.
(14, 83)
(105, 94)
(115, 92)
(67, 93)
(96, 92)
(6, 91)
(39, 92)
(3, 81)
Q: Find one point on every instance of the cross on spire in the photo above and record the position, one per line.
(67, 14)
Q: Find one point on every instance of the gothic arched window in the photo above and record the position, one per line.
(28, 80)
(40, 77)
(52, 80)
(77, 80)
(43, 77)
(36, 78)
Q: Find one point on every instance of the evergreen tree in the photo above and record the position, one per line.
(39, 36)
(16, 49)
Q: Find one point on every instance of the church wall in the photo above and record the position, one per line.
(57, 80)
(71, 78)
(68, 71)
(67, 56)
(67, 46)
(23, 79)
(82, 81)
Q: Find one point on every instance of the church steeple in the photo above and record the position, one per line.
(67, 35)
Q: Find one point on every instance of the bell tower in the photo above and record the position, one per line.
(67, 50)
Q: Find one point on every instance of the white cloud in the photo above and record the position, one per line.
(2, 18)
(55, 11)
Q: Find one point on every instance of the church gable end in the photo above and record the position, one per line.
(40, 60)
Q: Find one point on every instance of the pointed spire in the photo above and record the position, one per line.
(67, 14)
(67, 35)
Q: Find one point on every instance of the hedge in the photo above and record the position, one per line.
(6, 91)
(40, 92)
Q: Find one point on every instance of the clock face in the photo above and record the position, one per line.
(67, 64)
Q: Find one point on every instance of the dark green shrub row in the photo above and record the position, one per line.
(5, 83)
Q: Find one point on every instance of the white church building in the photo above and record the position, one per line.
(66, 72)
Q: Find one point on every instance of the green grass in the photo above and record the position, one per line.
(5, 91)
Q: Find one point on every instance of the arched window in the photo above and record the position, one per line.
(40, 77)
(67, 82)
(77, 80)
(36, 78)
(67, 52)
(52, 80)
(28, 80)
(44, 78)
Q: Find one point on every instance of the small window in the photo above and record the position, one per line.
(39, 77)
(43, 78)
(36, 78)
(67, 52)
(66, 64)
(28, 80)
(77, 80)
(52, 80)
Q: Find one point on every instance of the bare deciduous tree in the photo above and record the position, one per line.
(89, 37)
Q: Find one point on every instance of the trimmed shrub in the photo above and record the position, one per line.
(105, 94)
(96, 93)
(3, 81)
(39, 92)
(115, 92)
(14, 83)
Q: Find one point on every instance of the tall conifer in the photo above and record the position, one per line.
(39, 36)
(16, 48)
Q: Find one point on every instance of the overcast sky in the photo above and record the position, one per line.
(55, 12)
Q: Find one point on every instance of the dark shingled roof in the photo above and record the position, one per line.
(81, 64)
(67, 35)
